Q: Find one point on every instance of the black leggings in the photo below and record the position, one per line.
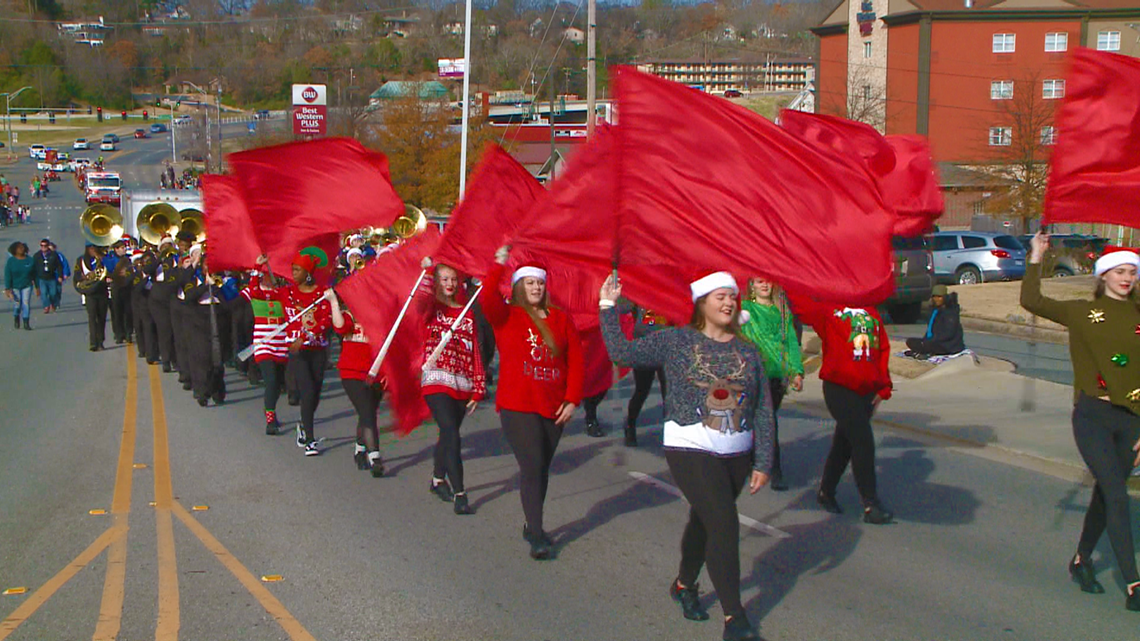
(642, 383)
(854, 442)
(591, 403)
(533, 438)
(273, 374)
(710, 485)
(366, 400)
(448, 413)
(309, 368)
(778, 391)
(1105, 435)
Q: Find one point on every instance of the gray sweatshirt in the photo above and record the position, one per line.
(717, 399)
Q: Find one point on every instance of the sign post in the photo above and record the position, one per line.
(310, 110)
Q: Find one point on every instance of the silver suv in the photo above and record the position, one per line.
(970, 257)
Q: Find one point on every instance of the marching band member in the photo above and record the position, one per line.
(202, 295)
(540, 382)
(161, 274)
(454, 385)
(178, 311)
(91, 281)
(145, 336)
(118, 267)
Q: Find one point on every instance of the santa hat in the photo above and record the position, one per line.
(355, 251)
(1112, 260)
(166, 240)
(528, 271)
(717, 280)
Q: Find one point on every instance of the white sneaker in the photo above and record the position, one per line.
(312, 449)
(301, 435)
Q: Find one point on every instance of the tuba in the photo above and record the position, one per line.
(411, 223)
(157, 220)
(193, 222)
(102, 225)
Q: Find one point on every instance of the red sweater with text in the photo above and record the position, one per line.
(458, 372)
(531, 378)
(856, 351)
(355, 352)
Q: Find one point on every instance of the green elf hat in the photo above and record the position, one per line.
(311, 258)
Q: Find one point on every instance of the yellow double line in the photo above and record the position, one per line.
(114, 539)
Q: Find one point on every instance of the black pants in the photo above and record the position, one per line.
(273, 374)
(642, 383)
(710, 485)
(590, 404)
(121, 313)
(366, 400)
(854, 442)
(146, 338)
(533, 438)
(1105, 435)
(779, 390)
(178, 326)
(448, 413)
(159, 307)
(241, 319)
(309, 369)
(206, 375)
(96, 305)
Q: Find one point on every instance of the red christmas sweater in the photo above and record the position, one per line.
(531, 378)
(458, 372)
(314, 325)
(355, 352)
(856, 351)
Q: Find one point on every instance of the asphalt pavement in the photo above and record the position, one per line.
(214, 531)
(1038, 360)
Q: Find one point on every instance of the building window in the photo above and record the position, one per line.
(1108, 41)
(1001, 90)
(1004, 42)
(1053, 89)
(1001, 136)
(1057, 41)
(1048, 135)
(866, 49)
(867, 92)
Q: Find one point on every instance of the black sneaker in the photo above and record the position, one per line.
(203, 402)
(187, 386)
(1083, 574)
(166, 368)
(375, 464)
(739, 629)
(690, 601)
(461, 504)
(778, 483)
(360, 457)
(594, 429)
(875, 514)
(630, 436)
(312, 448)
(539, 544)
(442, 489)
(272, 428)
(828, 502)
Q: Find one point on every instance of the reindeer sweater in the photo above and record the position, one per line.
(717, 400)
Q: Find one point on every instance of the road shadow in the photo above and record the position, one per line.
(638, 496)
(905, 487)
(565, 462)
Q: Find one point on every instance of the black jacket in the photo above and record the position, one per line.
(946, 331)
(48, 267)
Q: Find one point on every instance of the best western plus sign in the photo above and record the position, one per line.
(310, 111)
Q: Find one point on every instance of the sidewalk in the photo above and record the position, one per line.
(996, 307)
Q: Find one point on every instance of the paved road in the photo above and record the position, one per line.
(1045, 361)
(979, 552)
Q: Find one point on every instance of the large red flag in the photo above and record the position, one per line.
(233, 244)
(902, 166)
(499, 195)
(375, 295)
(299, 191)
(708, 185)
(1094, 171)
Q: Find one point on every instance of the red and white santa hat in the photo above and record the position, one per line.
(717, 280)
(1112, 260)
(528, 271)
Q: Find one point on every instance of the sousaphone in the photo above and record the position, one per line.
(102, 224)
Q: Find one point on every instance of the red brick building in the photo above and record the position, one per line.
(977, 77)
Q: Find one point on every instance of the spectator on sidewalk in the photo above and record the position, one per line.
(66, 276)
(19, 279)
(49, 274)
(944, 331)
(1106, 380)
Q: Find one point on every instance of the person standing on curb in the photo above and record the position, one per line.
(49, 274)
(19, 281)
(1105, 352)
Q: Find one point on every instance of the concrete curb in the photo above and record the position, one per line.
(1043, 334)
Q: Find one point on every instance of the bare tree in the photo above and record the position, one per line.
(1022, 142)
(866, 98)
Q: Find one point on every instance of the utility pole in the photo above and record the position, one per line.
(591, 67)
(466, 99)
(219, 127)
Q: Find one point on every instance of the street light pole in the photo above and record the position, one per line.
(466, 100)
(173, 145)
(8, 115)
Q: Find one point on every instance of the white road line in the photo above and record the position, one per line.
(746, 521)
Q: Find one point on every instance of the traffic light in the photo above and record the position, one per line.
(146, 116)
(99, 114)
(124, 113)
(24, 118)
(51, 117)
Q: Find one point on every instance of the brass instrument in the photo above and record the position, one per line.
(157, 220)
(411, 223)
(93, 280)
(102, 224)
(193, 222)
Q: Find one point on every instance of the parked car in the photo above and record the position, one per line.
(80, 143)
(914, 278)
(157, 128)
(262, 114)
(733, 93)
(183, 120)
(1070, 254)
(141, 133)
(194, 156)
(971, 257)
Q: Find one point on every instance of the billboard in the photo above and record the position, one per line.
(452, 67)
(310, 110)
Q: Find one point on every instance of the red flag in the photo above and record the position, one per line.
(501, 192)
(1094, 171)
(298, 191)
(375, 295)
(710, 185)
(902, 166)
(233, 244)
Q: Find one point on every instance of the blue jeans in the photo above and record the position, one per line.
(23, 303)
(49, 291)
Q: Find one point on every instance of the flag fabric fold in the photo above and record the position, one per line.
(233, 243)
(499, 195)
(375, 294)
(300, 191)
(1094, 169)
